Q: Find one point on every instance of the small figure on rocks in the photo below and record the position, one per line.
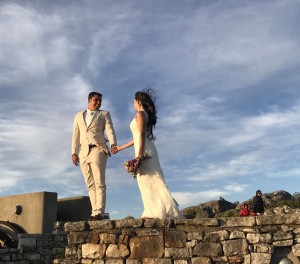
(258, 204)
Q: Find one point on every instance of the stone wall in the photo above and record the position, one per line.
(37, 248)
(256, 240)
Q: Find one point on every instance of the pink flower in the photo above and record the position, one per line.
(132, 166)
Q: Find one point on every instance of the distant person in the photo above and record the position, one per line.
(245, 210)
(89, 149)
(258, 204)
(157, 199)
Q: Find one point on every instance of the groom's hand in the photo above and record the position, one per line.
(75, 159)
(114, 149)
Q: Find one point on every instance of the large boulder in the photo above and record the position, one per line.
(272, 198)
(209, 209)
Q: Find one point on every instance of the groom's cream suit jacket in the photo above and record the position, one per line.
(93, 134)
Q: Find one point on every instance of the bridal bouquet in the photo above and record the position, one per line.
(132, 166)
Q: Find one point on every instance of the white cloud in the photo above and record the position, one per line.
(226, 75)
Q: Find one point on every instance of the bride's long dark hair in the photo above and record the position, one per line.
(147, 99)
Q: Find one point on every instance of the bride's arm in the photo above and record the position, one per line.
(124, 146)
(140, 119)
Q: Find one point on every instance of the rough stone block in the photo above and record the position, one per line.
(127, 223)
(236, 259)
(268, 229)
(94, 238)
(123, 239)
(236, 234)
(28, 242)
(133, 261)
(220, 259)
(191, 244)
(174, 238)
(281, 235)
(296, 250)
(149, 231)
(181, 261)
(104, 224)
(93, 251)
(114, 261)
(283, 243)
(86, 261)
(188, 228)
(263, 248)
(34, 256)
(78, 237)
(108, 238)
(247, 259)
(117, 251)
(237, 221)
(195, 236)
(98, 261)
(178, 253)
(208, 249)
(71, 251)
(76, 226)
(235, 247)
(201, 260)
(156, 261)
(282, 219)
(147, 247)
(259, 238)
(297, 239)
(216, 236)
(158, 222)
(287, 228)
(260, 258)
(197, 221)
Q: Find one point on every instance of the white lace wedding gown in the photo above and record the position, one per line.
(157, 199)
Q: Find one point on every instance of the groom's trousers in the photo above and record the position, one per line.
(93, 169)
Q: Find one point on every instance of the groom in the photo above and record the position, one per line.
(89, 149)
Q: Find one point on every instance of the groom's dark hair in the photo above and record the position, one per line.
(92, 94)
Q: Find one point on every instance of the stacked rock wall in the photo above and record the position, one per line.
(256, 240)
(37, 248)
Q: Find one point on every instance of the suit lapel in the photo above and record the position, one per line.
(82, 116)
(94, 117)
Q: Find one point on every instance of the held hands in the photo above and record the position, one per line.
(114, 149)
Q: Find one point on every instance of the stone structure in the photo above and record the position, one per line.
(37, 248)
(37, 212)
(255, 240)
(34, 212)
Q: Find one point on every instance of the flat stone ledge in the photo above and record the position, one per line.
(237, 221)
(76, 226)
(226, 222)
(197, 222)
(285, 219)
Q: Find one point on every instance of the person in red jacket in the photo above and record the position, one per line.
(245, 211)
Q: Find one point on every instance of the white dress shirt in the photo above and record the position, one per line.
(89, 116)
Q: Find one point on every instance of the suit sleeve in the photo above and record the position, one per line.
(75, 137)
(109, 130)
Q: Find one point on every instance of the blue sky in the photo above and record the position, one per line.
(227, 80)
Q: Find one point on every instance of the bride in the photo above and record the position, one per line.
(157, 199)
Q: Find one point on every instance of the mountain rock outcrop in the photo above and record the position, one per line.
(211, 208)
